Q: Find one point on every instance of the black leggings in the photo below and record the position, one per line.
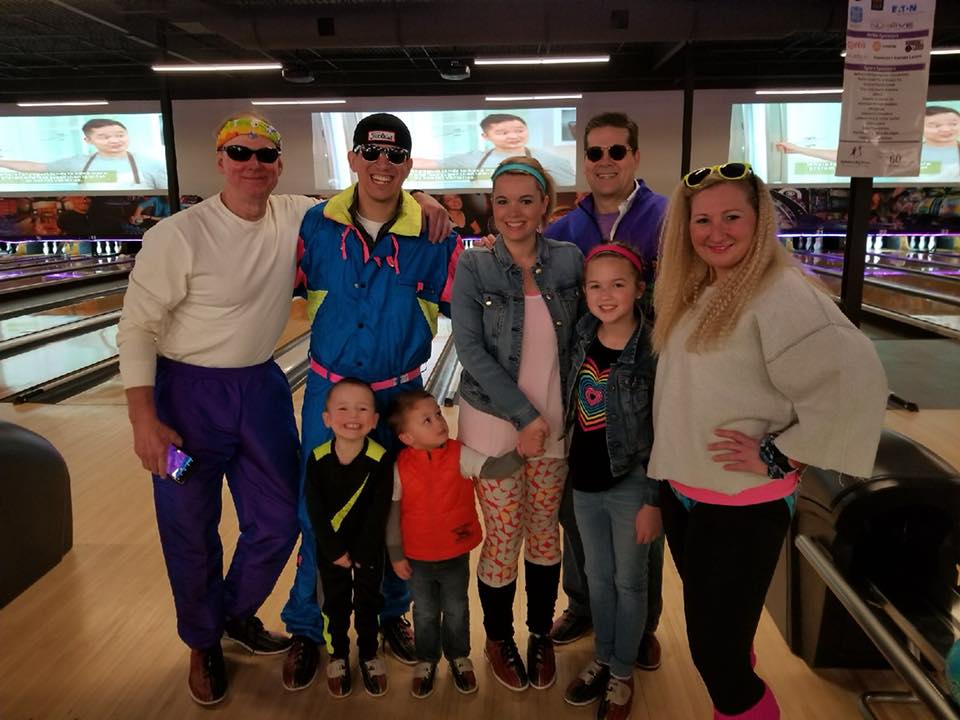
(726, 557)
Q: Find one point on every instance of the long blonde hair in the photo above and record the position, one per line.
(682, 275)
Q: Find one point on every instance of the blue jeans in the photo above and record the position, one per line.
(574, 581)
(441, 612)
(616, 569)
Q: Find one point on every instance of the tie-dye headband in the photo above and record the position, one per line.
(248, 126)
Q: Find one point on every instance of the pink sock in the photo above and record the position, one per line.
(765, 709)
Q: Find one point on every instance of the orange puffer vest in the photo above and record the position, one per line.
(438, 513)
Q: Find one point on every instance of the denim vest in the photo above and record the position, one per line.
(629, 395)
(487, 312)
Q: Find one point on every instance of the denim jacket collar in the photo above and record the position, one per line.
(503, 255)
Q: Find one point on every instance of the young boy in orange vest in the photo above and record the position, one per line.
(431, 529)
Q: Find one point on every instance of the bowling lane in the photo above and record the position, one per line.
(884, 300)
(111, 391)
(104, 269)
(936, 284)
(939, 258)
(58, 317)
(59, 265)
(55, 359)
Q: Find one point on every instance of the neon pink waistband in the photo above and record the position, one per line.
(375, 386)
(768, 492)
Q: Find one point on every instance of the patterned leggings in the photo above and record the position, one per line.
(522, 507)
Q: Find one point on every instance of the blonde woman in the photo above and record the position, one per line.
(759, 375)
(514, 311)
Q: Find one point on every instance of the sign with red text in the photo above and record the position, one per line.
(885, 87)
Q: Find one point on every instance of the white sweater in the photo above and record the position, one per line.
(795, 364)
(210, 288)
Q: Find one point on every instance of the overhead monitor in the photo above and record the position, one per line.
(796, 143)
(456, 149)
(106, 153)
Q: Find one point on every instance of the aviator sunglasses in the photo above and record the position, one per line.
(241, 153)
(728, 171)
(594, 153)
(372, 153)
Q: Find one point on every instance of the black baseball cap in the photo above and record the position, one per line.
(382, 129)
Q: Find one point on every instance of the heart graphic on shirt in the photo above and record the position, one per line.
(593, 396)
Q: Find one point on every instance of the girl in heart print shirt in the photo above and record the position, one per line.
(616, 507)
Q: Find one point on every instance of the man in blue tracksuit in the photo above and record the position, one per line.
(375, 286)
(619, 207)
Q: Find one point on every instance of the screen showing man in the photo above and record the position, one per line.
(457, 149)
(79, 152)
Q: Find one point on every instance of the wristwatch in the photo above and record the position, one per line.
(778, 464)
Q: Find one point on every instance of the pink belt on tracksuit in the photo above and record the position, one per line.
(375, 386)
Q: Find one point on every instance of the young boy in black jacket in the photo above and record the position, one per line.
(347, 493)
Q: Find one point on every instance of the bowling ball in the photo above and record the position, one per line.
(952, 670)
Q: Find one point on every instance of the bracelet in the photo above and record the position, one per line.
(778, 464)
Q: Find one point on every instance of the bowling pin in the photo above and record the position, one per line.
(116, 247)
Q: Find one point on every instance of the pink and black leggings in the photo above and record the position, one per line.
(726, 556)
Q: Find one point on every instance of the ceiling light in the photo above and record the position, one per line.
(297, 102)
(802, 91)
(220, 67)
(511, 98)
(63, 103)
(570, 60)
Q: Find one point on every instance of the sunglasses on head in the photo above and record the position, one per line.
(728, 171)
(241, 153)
(594, 153)
(372, 153)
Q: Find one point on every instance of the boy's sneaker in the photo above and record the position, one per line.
(374, 675)
(506, 664)
(618, 700)
(398, 639)
(301, 663)
(570, 627)
(589, 686)
(207, 681)
(338, 677)
(464, 676)
(424, 677)
(649, 652)
(250, 634)
(541, 661)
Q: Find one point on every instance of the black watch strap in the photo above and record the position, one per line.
(778, 464)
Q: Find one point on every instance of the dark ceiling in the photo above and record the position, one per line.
(104, 48)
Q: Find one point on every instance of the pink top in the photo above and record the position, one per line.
(538, 379)
(768, 492)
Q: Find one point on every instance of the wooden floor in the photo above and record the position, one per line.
(96, 638)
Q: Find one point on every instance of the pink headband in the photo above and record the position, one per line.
(619, 250)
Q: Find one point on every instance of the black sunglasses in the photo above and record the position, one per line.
(241, 153)
(728, 171)
(594, 153)
(372, 153)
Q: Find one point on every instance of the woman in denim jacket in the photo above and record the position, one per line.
(610, 397)
(514, 310)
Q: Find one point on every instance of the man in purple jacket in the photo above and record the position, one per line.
(622, 208)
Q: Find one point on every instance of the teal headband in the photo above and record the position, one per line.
(520, 167)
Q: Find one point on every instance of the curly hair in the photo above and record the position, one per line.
(682, 275)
